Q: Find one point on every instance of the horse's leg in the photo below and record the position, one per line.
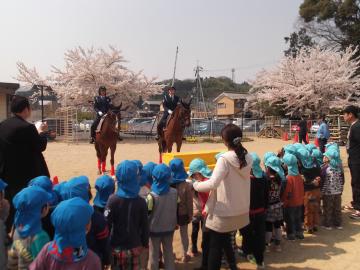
(103, 160)
(169, 145)
(178, 144)
(98, 154)
(112, 161)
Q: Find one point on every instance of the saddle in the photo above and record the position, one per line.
(167, 121)
(98, 128)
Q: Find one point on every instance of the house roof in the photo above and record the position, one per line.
(8, 88)
(153, 102)
(231, 96)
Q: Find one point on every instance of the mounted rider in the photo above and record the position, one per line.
(169, 102)
(102, 105)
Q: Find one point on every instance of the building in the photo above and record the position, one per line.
(6, 91)
(230, 105)
(150, 108)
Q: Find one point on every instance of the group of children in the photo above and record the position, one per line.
(132, 226)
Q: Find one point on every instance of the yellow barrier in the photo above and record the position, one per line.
(187, 157)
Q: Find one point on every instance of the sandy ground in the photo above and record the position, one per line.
(326, 250)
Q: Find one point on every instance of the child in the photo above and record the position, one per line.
(104, 186)
(274, 217)
(332, 186)
(185, 205)
(4, 213)
(126, 213)
(293, 199)
(45, 183)
(318, 156)
(69, 251)
(199, 171)
(162, 203)
(31, 204)
(253, 241)
(97, 238)
(311, 173)
(145, 177)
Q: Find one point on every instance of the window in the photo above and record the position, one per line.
(221, 105)
(239, 103)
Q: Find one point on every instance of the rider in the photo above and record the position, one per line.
(102, 105)
(170, 102)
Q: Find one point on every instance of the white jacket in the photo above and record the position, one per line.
(230, 185)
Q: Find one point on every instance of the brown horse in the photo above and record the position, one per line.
(174, 130)
(107, 138)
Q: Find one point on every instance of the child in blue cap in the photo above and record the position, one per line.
(293, 199)
(162, 205)
(69, 251)
(4, 213)
(126, 214)
(199, 171)
(104, 186)
(145, 177)
(274, 216)
(31, 204)
(45, 183)
(332, 186)
(185, 205)
(311, 172)
(253, 241)
(97, 238)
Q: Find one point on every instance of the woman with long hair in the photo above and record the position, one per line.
(229, 201)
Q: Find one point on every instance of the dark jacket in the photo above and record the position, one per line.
(21, 157)
(128, 222)
(170, 103)
(309, 176)
(102, 104)
(353, 147)
(259, 193)
(303, 127)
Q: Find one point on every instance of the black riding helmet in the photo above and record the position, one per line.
(102, 88)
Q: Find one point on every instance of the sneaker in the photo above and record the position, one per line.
(267, 248)
(278, 248)
(92, 140)
(339, 227)
(290, 237)
(327, 228)
(185, 259)
(260, 266)
(300, 236)
(251, 258)
(348, 207)
(355, 215)
(309, 231)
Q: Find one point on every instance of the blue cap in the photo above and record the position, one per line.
(198, 165)
(28, 204)
(268, 155)
(45, 183)
(161, 179)
(291, 163)
(290, 149)
(148, 169)
(76, 187)
(256, 168)
(275, 163)
(142, 174)
(70, 218)
(334, 158)
(306, 159)
(178, 171)
(104, 186)
(127, 176)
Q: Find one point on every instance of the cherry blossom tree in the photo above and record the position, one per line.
(316, 80)
(87, 69)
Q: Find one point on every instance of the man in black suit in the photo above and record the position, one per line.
(102, 105)
(170, 102)
(353, 148)
(303, 130)
(21, 147)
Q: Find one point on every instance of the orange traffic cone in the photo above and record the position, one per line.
(55, 181)
(285, 136)
(296, 137)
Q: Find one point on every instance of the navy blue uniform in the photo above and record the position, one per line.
(169, 103)
(102, 105)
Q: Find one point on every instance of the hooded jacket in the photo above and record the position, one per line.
(232, 186)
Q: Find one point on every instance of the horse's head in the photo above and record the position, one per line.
(185, 113)
(114, 114)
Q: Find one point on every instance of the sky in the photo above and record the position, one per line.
(247, 35)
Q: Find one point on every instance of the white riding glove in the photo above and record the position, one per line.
(100, 113)
(170, 111)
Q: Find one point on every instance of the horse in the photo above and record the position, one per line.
(173, 133)
(107, 138)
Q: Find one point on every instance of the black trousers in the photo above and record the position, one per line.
(220, 242)
(205, 245)
(292, 216)
(355, 184)
(94, 125)
(162, 122)
(302, 138)
(197, 222)
(253, 241)
(322, 143)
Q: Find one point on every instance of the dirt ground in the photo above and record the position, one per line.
(325, 250)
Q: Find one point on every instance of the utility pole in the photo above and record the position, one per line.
(233, 75)
(176, 55)
(200, 100)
